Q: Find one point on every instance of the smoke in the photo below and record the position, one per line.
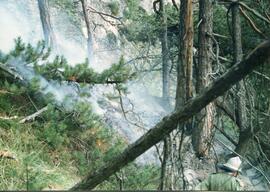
(21, 18)
(15, 22)
(59, 91)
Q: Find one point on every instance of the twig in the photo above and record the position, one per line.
(8, 118)
(221, 36)
(261, 74)
(267, 15)
(102, 15)
(260, 148)
(226, 135)
(225, 59)
(199, 23)
(217, 55)
(32, 102)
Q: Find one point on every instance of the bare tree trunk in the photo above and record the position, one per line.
(164, 164)
(90, 48)
(165, 89)
(165, 56)
(202, 132)
(48, 32)
(184, 89)
(241, 114)
(167, 124)
(184, 67)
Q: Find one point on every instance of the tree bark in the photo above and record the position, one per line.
(48, 32)
(165, 56)
(165, 87)
(184, 67)
(90, 48)
(164, 164)
(241, 114)
(167, 124)
(202, 132)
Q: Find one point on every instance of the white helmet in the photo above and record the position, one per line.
(233, 164)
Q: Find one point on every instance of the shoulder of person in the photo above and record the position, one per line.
(240, 182)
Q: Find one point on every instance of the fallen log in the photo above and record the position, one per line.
(257, 57)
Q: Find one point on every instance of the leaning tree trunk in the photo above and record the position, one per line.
(48, 32)
(166, 125)
(165, 56)
(241, 114)
(202, 132)
(90, 48)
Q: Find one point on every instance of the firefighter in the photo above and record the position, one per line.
(224, 180)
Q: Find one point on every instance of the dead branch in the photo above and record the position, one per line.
(219, 35)
(226, 135)
(260, 148)
(104, 15)
(34, 115)
(236, 73)
(8, 155)
(8, 118)
(227, 110)
(251, 23)
(267, 15)
(262, 75)
(10, 71)
(242, 4)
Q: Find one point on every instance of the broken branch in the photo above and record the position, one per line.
(34, 115)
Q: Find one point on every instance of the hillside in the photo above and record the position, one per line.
(134, 94)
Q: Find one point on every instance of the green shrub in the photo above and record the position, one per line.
(114, 7)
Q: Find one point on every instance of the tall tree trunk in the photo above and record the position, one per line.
(165, 56)
(184, 87)
(48, 32)
(241, 115)
(165, 88)
(166, 125)
(90, 48)
(184, 67)
(202, 132)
